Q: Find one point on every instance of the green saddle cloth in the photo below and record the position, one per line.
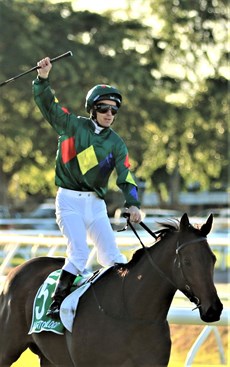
(43, 299)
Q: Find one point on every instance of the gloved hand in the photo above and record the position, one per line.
(135, 214)
(45, 67)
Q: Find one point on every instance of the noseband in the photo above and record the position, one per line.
(188, 289)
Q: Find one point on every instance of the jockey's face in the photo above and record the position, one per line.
(105, 119)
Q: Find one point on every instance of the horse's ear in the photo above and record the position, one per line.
(184, 222)
(206, 228)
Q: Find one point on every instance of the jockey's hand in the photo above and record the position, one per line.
(135, 214)
(45, 67)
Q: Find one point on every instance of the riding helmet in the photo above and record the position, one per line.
(100, 92)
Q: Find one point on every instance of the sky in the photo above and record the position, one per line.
(122, 8)
(96, 5)
(99, 5)
(126, 9)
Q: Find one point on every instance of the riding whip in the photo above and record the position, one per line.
(69, 53)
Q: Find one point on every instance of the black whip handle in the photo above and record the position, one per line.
(69, 53)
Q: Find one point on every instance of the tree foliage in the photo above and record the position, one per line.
(174, 115)
(192, 80)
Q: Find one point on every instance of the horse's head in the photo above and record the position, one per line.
(194, 267)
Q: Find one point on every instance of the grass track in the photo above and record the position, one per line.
(182, 341)
(27, 359)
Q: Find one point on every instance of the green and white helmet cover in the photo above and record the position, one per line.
(100, 92)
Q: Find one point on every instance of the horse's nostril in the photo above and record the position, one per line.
(213, 313)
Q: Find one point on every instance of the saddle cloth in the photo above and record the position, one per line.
(41, 322)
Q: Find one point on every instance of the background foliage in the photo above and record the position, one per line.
(171, 67)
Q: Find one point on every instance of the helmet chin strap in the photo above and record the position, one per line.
(93, 116)
(96, 122)
(101, 125)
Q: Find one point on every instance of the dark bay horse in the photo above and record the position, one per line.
(122, 319)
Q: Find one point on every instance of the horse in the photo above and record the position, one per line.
(121, 320)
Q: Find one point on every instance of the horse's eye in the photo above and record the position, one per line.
(187, 261)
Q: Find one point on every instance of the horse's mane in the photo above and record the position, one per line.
(168, 227)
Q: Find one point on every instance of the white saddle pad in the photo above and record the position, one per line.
(69, 305)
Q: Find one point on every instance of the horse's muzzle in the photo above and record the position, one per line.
(213, 313)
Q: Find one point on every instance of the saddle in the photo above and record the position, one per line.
(41, 322)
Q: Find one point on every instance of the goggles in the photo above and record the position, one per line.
(104, 108)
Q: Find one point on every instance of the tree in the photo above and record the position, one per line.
(31, 32)
(158, 70)
(188, 142)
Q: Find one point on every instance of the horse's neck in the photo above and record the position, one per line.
(151, 285)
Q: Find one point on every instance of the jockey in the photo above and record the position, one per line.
(88, 151)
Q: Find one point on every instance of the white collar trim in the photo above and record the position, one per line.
(98, 129)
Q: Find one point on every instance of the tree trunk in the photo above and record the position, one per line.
(3, 188)
(174, 188)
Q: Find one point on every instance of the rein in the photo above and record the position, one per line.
(156, 236)
(188, 293)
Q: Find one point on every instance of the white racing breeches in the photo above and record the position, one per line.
(81, 214)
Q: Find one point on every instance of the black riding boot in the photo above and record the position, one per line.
(62, 290)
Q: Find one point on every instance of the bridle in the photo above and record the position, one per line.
(179, 246)
(188, 292)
